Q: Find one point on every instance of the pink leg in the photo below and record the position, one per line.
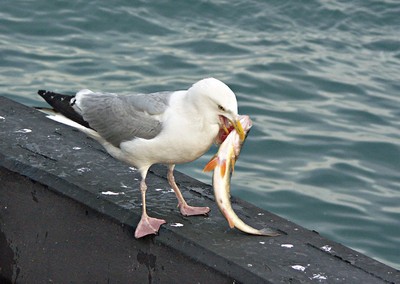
(147, 225)
(185, 209)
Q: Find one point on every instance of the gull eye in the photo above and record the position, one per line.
(221, 108)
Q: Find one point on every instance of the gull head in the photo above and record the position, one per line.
(221, 103)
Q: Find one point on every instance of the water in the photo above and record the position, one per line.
(319, 78)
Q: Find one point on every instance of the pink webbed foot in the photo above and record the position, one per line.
(148, 226)
(187, 210)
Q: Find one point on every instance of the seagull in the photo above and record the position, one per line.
(157, 128)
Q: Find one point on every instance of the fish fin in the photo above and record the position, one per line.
(223, 168)
(231, 224)
(233, 161)
(230, 221)
(211, 165)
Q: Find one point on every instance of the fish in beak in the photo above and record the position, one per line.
(222, 164)
(227, 125)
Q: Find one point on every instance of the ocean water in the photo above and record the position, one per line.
(319, 78)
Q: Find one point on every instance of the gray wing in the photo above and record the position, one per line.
(119, 118)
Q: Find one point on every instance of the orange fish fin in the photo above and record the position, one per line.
(211, 164)
(233, 161)
(223, 168)
(231, 224)
(230, 221)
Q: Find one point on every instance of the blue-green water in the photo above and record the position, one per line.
(319, 78)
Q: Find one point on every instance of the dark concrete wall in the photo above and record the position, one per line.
(57, 226)
(51, 238)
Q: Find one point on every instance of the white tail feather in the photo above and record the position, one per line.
(64, 120)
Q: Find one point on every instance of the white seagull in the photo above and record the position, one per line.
(145, 129)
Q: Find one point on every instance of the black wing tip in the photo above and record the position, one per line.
(63, 104)
(44, 93)
(50, 96)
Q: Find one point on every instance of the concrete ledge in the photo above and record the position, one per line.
(57, 225)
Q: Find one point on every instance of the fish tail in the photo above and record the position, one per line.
(269, 232)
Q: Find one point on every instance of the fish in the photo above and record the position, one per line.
(223, 164)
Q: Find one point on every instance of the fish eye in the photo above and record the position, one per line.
(221, 108)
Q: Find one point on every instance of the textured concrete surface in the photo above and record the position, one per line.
(68, 212)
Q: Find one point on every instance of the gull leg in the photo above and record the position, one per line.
(185, 209)
(147, 225)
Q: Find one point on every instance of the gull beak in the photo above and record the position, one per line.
(239, 129)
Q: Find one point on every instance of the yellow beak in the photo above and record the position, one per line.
(239, 129)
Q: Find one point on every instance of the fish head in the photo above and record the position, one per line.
(246, 125)
(228, 123)
(245, 122)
